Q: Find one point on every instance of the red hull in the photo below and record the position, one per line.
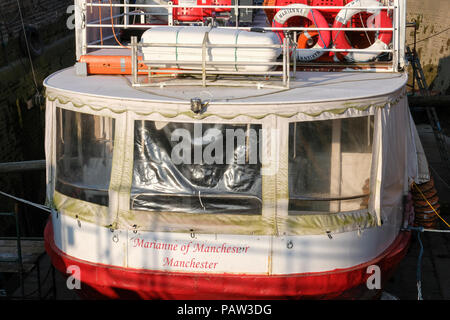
(100, 281)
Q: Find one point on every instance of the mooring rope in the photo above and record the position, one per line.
(419, 263)
(419, 259)
(37, 205)
(28, 47)
(419, 230)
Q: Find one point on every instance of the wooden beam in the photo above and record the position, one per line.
(22, 166)
(431, 101)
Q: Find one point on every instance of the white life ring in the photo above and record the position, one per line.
(300, 10)
(379, 19)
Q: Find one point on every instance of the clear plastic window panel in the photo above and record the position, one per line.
(329, 165)
(197, 168)
(84, 151)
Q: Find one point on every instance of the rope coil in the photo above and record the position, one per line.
(429, 204)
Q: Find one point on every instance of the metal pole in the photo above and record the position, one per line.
(288, 65)
(295, 55)
(236, 12)
(134, 59)
(22, 166)
(284, 61)
(126, 20)
(396, 25)
(414, 57)
(83, 28)
(205, 39)
(170, 13)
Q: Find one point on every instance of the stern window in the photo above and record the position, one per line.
(84, 150)
(329, 165)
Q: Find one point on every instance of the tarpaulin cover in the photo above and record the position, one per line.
(165, 181)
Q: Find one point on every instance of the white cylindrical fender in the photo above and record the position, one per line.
(220, 36)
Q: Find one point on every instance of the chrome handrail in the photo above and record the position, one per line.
(396, 48)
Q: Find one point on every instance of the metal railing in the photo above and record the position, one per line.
(117, 13)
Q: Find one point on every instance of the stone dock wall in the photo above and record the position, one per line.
(22, 111)
(433, 40)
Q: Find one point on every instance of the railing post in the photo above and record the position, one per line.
(126, 17)
(288, 65)
(80, 28)
(402, 38)
(413, 57)
(134, 58)
(284, 61)
(204, 43)
(295, 56)
(170, 13)
(236, 12)
(396, 32)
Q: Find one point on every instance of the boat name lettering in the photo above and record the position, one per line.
(195, 247)
(193, 263)
(284, 12)
(154, 245)
(220, 249)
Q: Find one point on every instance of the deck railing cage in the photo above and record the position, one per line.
(99, 23)
(203, 68)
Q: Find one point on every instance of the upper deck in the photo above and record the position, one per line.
(307, 87)
(314, 57)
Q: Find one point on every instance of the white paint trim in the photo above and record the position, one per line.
(312, 253)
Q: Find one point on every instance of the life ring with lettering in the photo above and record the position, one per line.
(300, 10)
(379, 19)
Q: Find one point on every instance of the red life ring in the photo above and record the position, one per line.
(380, 19)
(296, 10)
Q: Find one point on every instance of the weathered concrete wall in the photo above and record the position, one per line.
(21, 114)
(433, 40)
